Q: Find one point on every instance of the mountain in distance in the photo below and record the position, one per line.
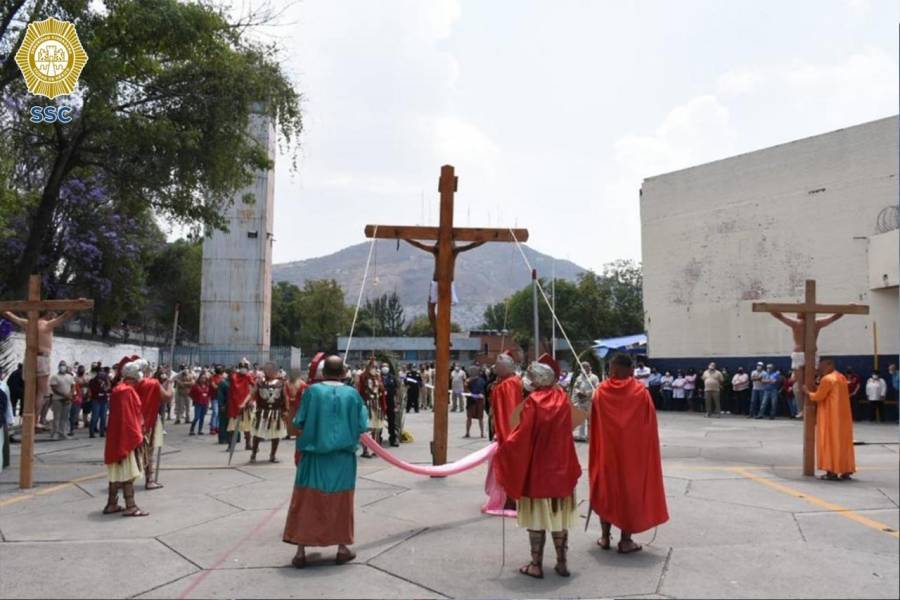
(484, 276)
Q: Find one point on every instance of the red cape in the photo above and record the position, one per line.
(506, 395)
(538, 459)
(293, 405)
(123, 428)
(150, 393)
(238, 392)
(625, 466)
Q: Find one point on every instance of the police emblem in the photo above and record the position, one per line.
(51, 58)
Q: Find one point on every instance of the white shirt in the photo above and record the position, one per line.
(740, 381)
(642, 374)
(678, 387)
(585, 387)
(876, 389)
(458, 380)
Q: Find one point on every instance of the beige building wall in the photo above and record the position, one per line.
(720, 236)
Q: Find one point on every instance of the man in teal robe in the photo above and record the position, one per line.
(331, 418)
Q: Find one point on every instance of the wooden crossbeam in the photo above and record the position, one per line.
(802, 307)
(46, 305)
(460, 234)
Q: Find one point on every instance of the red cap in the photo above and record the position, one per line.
(314, 365)
(548, 360)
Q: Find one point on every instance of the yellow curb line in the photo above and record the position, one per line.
(50, 490)
(835, 508)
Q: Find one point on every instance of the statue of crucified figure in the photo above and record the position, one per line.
(798, 360)
(433, 290)
(45, 327)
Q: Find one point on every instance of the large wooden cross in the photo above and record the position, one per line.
(445, 234)
(34, 306)
(809, 309)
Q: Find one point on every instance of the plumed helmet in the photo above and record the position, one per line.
(133, 369)
(316, 365)
(544, 372)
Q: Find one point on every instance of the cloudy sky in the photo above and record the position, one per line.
(553, 112)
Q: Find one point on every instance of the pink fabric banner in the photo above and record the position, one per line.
(464, 464)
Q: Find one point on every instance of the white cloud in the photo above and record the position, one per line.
(695, 132)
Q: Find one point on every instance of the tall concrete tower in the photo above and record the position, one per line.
(236, 288)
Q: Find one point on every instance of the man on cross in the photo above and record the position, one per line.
(798, 359)
(433, 290)
(45, 329)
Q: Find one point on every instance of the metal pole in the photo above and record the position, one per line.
(174, 333)
(553, 305)
(534, 300)
(875, 345)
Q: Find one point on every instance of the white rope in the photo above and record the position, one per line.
(362, 288)
(550, 306)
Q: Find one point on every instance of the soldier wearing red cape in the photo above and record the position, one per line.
(153, 395)
(124, 436)
(506, 395)
(240, 412)
(626, 480)
(537, 464)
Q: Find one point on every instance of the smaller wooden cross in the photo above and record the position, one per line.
(809, 309)
(34, 306)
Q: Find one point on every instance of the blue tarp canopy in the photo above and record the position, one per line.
(626, 343)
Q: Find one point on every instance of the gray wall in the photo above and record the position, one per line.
(720, 236)
(236, 289)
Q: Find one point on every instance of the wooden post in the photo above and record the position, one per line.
(809, 379)
(447, 187)
(30, 377)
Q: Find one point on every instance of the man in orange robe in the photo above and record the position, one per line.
(834, 423)
(624, 464)
(506, 395)
(538, 466)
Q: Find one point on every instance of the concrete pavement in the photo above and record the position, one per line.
(744, 523)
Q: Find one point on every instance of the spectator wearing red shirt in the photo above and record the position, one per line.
(200, 394)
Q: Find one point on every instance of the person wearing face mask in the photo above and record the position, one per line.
(538, 466)
(457, 388)
(62, 392)
(390, 396)
(371, 388)
(876, 391)
(153, 394)
(124, 438)
(240, 413)
(666, 389)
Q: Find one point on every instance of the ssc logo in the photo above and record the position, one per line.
(51, 58)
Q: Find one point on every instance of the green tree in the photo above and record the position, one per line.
(162, 113)
(421, 327)
(382, 316)
(174, 275)
(597, 305)
(310, 318)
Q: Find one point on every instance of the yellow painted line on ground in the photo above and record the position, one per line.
(50, 490)
(829, 506)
